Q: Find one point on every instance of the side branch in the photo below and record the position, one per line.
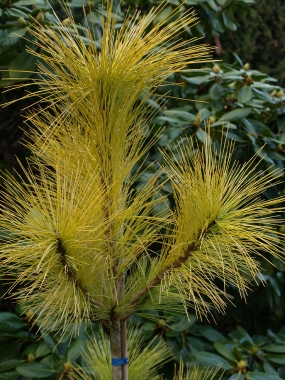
(70, 273)
(187, 253)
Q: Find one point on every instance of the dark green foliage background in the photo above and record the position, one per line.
(261, 41)
(246, 97)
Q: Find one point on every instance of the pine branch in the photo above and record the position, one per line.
(187, 253)
(71, 274)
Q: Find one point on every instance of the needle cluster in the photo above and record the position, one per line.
(80, 233)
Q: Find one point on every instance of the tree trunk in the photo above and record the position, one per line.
(124, 350)
(115, 338)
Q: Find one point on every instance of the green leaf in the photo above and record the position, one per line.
(196, 80)
(42, 350)
(269, 369)
(51, 344)
(171, 119)
(31, 349)
(211, 360)
(202, 135)
(12, 37)
(250, 127)
(229, 24)
(225, 124)
(21, 3)
(52, 362)
(263, 85)
(213, 5)
(11, 375)
(221, 2)
(281, 123)
(74, 350)
(261, 376)
(229, 76)
(278, 359)
(237, 354)
(184, 323)
(216, 91)
(204, 114)
(211, 334)
(262, 154)
(237, 114)
(183, 115)
(10, 364)
(171, 333)
(280, 265)
(275, 287)
(234, 73)
(238, 59)
(10, 322)
(34, 370)
(195, 344)
(16, 13)
(278, 348)
(23, 66)
(162, 15)
(244, 94)
(77, 3)
(149, 326)
(153, 104)
(224, 351)
(281, 372)
(8, 349)
(245, 337)
(236, 376)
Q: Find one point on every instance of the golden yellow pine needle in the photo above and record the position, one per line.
(195, 373)
(77, 228)
(96, 94)
(223, 224)
(144, 359)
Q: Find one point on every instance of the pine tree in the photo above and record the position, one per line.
(81, 235)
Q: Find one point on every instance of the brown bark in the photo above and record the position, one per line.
(115, 338)
(124, 351)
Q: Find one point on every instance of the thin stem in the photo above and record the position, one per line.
(124, 350)
(115, 338)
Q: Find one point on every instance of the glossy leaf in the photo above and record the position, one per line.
(9, 364)
(236, 376)
(16, 13)
(229, 24)
(12, 37)
(204, 114)
(180, 115)
(10, 322)
(216, 91)
(34, 370)
(261, 376)
(10, 375)
(236, 114)
(74, 351)
(196, 80)
(212, 360)
(184, 323)
(278, 359)
(224, 351)
(23, 66)
(42, 350)
(210, 334)
(244, 94)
